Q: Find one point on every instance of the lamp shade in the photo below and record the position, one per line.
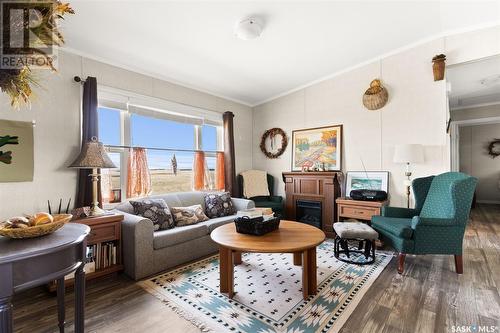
(409, 153)
(93, 156)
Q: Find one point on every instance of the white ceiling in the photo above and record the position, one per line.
(475, 83)
(192, 43)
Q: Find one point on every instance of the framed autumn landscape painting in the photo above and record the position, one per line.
(317, 148)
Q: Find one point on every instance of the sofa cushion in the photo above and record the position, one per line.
(212, 224)
(397, 226)
(177, 235)
(156, 210)
(188, 215)
(218, 204)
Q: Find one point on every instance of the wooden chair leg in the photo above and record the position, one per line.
(401, 262)
(459, 266)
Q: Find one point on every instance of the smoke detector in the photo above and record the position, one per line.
(249, 28)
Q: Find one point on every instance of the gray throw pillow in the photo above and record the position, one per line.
(188, 215)
(218, 205)
(156, 210)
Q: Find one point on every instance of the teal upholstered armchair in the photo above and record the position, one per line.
(273, 201)
(437, 223)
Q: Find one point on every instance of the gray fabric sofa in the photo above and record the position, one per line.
(146, 252)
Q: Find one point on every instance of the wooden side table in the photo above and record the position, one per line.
(358, 209)
(33, 262)
(103, 229)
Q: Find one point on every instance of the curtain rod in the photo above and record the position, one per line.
(78, 79)
(164, 149)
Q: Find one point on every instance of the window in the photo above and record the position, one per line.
(109, 126)
(163, 139)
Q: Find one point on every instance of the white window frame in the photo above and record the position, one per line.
(126, 140)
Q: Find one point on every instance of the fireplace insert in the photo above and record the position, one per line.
(308, 211)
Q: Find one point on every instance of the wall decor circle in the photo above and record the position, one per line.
(272, 134)
(494, 148)
(376, 96)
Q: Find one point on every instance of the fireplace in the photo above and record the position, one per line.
(308, 211)
(317, 188)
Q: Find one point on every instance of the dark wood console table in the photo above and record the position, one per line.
(28, 263)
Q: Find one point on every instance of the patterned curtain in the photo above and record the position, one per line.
(139, 178)
(106, 186)
(219, 171)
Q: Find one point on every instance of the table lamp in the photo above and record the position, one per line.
(408, 153)
(93, 156)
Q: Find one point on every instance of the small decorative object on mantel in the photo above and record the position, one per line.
(276, 151)
(494, 148)
(17, 81)
(376, 96)
(438, 65)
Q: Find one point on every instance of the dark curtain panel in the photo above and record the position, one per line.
(89, 129)
(229, 160)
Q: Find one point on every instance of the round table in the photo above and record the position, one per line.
(27, 263)
(291, 237)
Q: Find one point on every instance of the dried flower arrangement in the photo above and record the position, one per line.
(18, 83)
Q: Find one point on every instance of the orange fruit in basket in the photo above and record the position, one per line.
(42, 218)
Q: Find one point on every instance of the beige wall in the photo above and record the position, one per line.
(56, 112)
(474, 160)
(415, 113)
(489, 111)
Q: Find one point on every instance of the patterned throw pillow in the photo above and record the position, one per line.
(188, 215)
(219, 205)
(156, 210)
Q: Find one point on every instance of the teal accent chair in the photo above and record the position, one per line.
(273, 201)
(437, 223)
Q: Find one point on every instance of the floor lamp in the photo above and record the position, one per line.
(408, 153)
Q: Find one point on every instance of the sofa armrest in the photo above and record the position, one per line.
(418, 221)
(242, 204)
(137, 245)
(399, 212)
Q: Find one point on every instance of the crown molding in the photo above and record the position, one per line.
(150, 74)
(383, 56)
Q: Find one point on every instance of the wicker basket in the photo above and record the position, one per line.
(38, 230)
(376, 96)
(256, 226)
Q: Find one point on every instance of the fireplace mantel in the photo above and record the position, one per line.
(313, 186)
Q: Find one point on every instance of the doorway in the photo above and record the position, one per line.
(474, 102)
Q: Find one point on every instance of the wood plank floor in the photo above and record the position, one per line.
(429, 297)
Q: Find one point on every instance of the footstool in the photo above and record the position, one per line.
(354, 231)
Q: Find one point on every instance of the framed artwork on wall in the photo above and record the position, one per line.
(367, 180)
(16, 151)
(319, 147)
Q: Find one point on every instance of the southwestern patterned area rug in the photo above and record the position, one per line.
(268, 293)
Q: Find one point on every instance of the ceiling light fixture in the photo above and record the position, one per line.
(249, 28)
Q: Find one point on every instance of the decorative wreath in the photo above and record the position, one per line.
(272, 133)
(492, 150)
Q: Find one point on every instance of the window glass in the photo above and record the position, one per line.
(208, 137)
(109, 126)
(152, 132)
(166, 178)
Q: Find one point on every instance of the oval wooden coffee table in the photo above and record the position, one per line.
(291, 237)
